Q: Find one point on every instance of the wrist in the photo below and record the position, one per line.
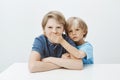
(62, 41)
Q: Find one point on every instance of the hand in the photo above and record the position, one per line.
(55, 38)
(72, 57)
(66, 56)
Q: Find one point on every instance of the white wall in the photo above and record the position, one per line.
(20, 23)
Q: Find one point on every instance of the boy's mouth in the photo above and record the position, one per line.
(74, 37)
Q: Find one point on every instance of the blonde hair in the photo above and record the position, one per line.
(76, 22)
(58, 16)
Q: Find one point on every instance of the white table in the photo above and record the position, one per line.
(19, 71)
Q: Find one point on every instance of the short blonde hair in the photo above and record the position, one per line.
(58, 16)
(76, 22)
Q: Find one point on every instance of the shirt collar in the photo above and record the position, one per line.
(51, 44)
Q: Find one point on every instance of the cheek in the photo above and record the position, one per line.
(46, 32)
(62, 30)
(70, 35)
(81, 35)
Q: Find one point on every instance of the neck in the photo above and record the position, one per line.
(80, 42)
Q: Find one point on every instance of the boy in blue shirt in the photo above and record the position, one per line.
(77, 30)
(46, 46)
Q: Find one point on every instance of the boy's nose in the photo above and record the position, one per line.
(74, 32)
(54, 30)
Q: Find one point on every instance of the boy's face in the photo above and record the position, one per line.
(53, 27)
(76, 33)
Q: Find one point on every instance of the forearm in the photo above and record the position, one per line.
(72, 50)
(68, 63)
(39, 66)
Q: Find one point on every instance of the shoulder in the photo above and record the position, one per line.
(88, 49)
(40, 38)
(86, 45)
(39, 44)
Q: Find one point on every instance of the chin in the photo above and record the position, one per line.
(75, 40)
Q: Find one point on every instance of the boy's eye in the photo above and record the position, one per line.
(70, 31)
(77, 29)
(49, 27)
(58, 27)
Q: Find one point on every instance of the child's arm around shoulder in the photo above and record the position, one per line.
(72, 49)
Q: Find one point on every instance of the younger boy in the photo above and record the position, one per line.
(77, 30)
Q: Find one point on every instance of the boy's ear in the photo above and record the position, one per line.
(84, 32)
(43, 31)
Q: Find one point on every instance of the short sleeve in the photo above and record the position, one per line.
(88, 49)
(37, 45)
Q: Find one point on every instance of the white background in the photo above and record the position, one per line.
(20, 23)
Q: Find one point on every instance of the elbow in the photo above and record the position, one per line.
(78, 56)
(79, 66)
(32, 68)
(76, 68)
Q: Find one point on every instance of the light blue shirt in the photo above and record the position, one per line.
(88, 49)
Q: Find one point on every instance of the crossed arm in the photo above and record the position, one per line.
(50, 63)
(68, 63)
(73, 61)
(37, 65)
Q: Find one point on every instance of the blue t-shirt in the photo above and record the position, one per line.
(88, 49)
(47, 49)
